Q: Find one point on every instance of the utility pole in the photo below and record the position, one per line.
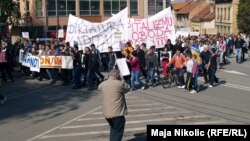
(46, 20)
(57, 18)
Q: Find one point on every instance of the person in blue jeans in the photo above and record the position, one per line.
(151, 64)
(135, 73)
(238, 47)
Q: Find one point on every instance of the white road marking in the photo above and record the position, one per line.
(207, 122)
(138, 110)
(137, 121)
(89, 133)
(235, 72)
(139, 115)
(150, 104)
(57, 127)
(131, 101)
(245, 88)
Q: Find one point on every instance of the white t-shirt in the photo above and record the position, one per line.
(190, 64)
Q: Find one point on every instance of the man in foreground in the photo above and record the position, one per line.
(114, 104)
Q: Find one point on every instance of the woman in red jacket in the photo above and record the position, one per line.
(135, 71)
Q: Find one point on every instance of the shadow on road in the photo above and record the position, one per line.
(139, 137)
(31, 99)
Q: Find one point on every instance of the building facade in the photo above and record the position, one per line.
(225, 19)
(51, 15)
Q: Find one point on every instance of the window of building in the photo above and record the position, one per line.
(133, 7)
(113, 6)
(229, 13)
(65, 7)
(89, 7)
(225, 13)
(39, 8)
(154, 6)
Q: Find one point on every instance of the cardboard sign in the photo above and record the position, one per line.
(123, 67)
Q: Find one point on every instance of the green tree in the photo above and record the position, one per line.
(243, 16)
(9, 12)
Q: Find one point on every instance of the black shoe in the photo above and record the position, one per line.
(90, 89)
(39, 79)
(52, 82)
(3, 100)
(76, 87)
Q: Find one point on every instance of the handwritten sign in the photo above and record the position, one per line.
(30, 61)
(25, 35)
(35, 63)
(51, 61)
(123, 67)
(155, 30)
(101, 34)
(60, 33)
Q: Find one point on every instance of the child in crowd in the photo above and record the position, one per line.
(164, 64)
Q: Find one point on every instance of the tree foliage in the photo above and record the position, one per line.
(243, 16)
(10, 12)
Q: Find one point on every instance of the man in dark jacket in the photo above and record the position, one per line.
(142, 60)
(111, 59)
(77, 67)
(238, 46)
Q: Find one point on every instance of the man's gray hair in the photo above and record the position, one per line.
(115, 74)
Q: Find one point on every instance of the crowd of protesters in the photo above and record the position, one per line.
(215, 51)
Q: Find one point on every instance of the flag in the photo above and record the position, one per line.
(196, 51)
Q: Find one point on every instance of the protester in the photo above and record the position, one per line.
(5, 66)
(178, 60)
(142, 60)
(151, 64)
(238, 46)
(77, 65)
(135, 73)
(114, 105)
(97, 56)
(212, 68)
(189, 80)
(205, 56)
(111, 58)
(195, 74)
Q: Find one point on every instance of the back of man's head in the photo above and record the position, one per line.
(115, 74)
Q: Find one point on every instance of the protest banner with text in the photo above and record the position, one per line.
(108, 33)
(155, 30)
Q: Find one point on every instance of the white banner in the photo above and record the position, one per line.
(30, 61)
(108, 33)
(155, 30)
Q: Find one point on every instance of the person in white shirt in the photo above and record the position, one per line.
(189, 66)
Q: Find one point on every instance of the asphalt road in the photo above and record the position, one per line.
(37, 111)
